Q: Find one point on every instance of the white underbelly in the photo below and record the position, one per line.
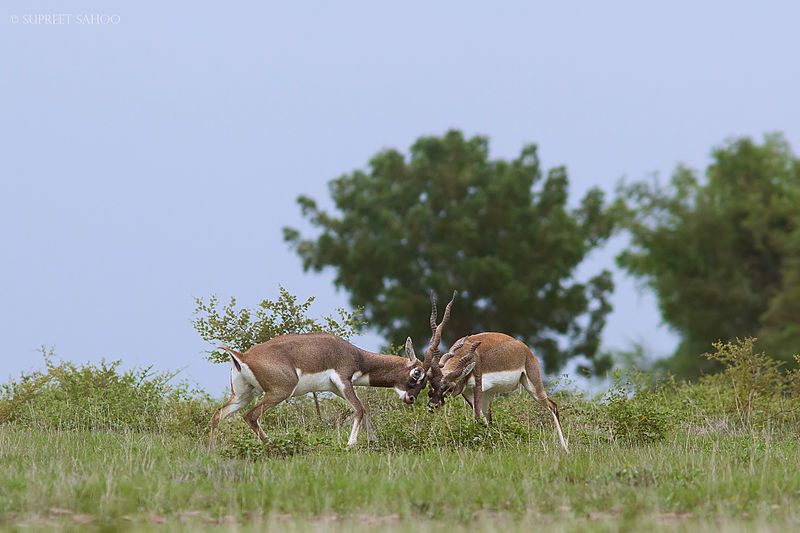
(498, 382)
(325, 381)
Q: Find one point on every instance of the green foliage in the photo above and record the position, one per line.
(754, 385)
(242, 328)
(722, 253)
(793, 380)
(636, 414)
(240, 443)
(66, 396)
(449, 217)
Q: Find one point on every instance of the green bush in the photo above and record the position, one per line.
(793, 380)
(239, 442)
(103, 397)
(637, 414)
(750, 395)
(751, 391)
(242, 328)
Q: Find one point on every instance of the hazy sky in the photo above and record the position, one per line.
(154, 159)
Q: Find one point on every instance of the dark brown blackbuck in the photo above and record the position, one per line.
(498, 364)
(293, 365)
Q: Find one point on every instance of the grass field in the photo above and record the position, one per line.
(89, 445)
(106, 478)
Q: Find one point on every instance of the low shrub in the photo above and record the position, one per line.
(754, 381)
(637, 415)
(751, 394)
(102, 396)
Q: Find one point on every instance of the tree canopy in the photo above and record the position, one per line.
(446, 217)
(722, 253)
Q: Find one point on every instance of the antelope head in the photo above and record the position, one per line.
(452, 383)
(411, 384)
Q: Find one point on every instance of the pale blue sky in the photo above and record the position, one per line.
(154, 160)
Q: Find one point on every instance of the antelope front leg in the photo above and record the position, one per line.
(486, 408)
(350, 395)
(478, 400)
(477, 397)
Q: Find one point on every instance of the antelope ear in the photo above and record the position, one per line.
(412, 356)
(467, 370)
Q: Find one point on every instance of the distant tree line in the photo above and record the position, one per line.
(720, 250)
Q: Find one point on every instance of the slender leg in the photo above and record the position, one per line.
(477, 402)
(533, 384)
(316, 404)
(486, 408)
(467, 399)
(240, 397)
(553, 408)
(349, 394)
(271, 398)
(479, 399)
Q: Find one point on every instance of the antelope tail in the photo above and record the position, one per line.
(235, 356)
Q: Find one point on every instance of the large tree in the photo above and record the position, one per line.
(721, 252)
(448, 217)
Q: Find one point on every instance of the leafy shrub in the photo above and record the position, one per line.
(101, 397)
(636, 415)
(793, 380)
(239, 442)
(751, 386)
(242, 328)
(415, 429)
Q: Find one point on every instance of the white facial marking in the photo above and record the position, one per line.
(403, 394)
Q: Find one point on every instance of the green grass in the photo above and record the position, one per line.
(88, 445)
(119, 478)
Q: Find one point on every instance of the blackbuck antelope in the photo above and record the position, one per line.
(499, 364)
(292, 365)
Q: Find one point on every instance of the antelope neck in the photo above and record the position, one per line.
(384, 370)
